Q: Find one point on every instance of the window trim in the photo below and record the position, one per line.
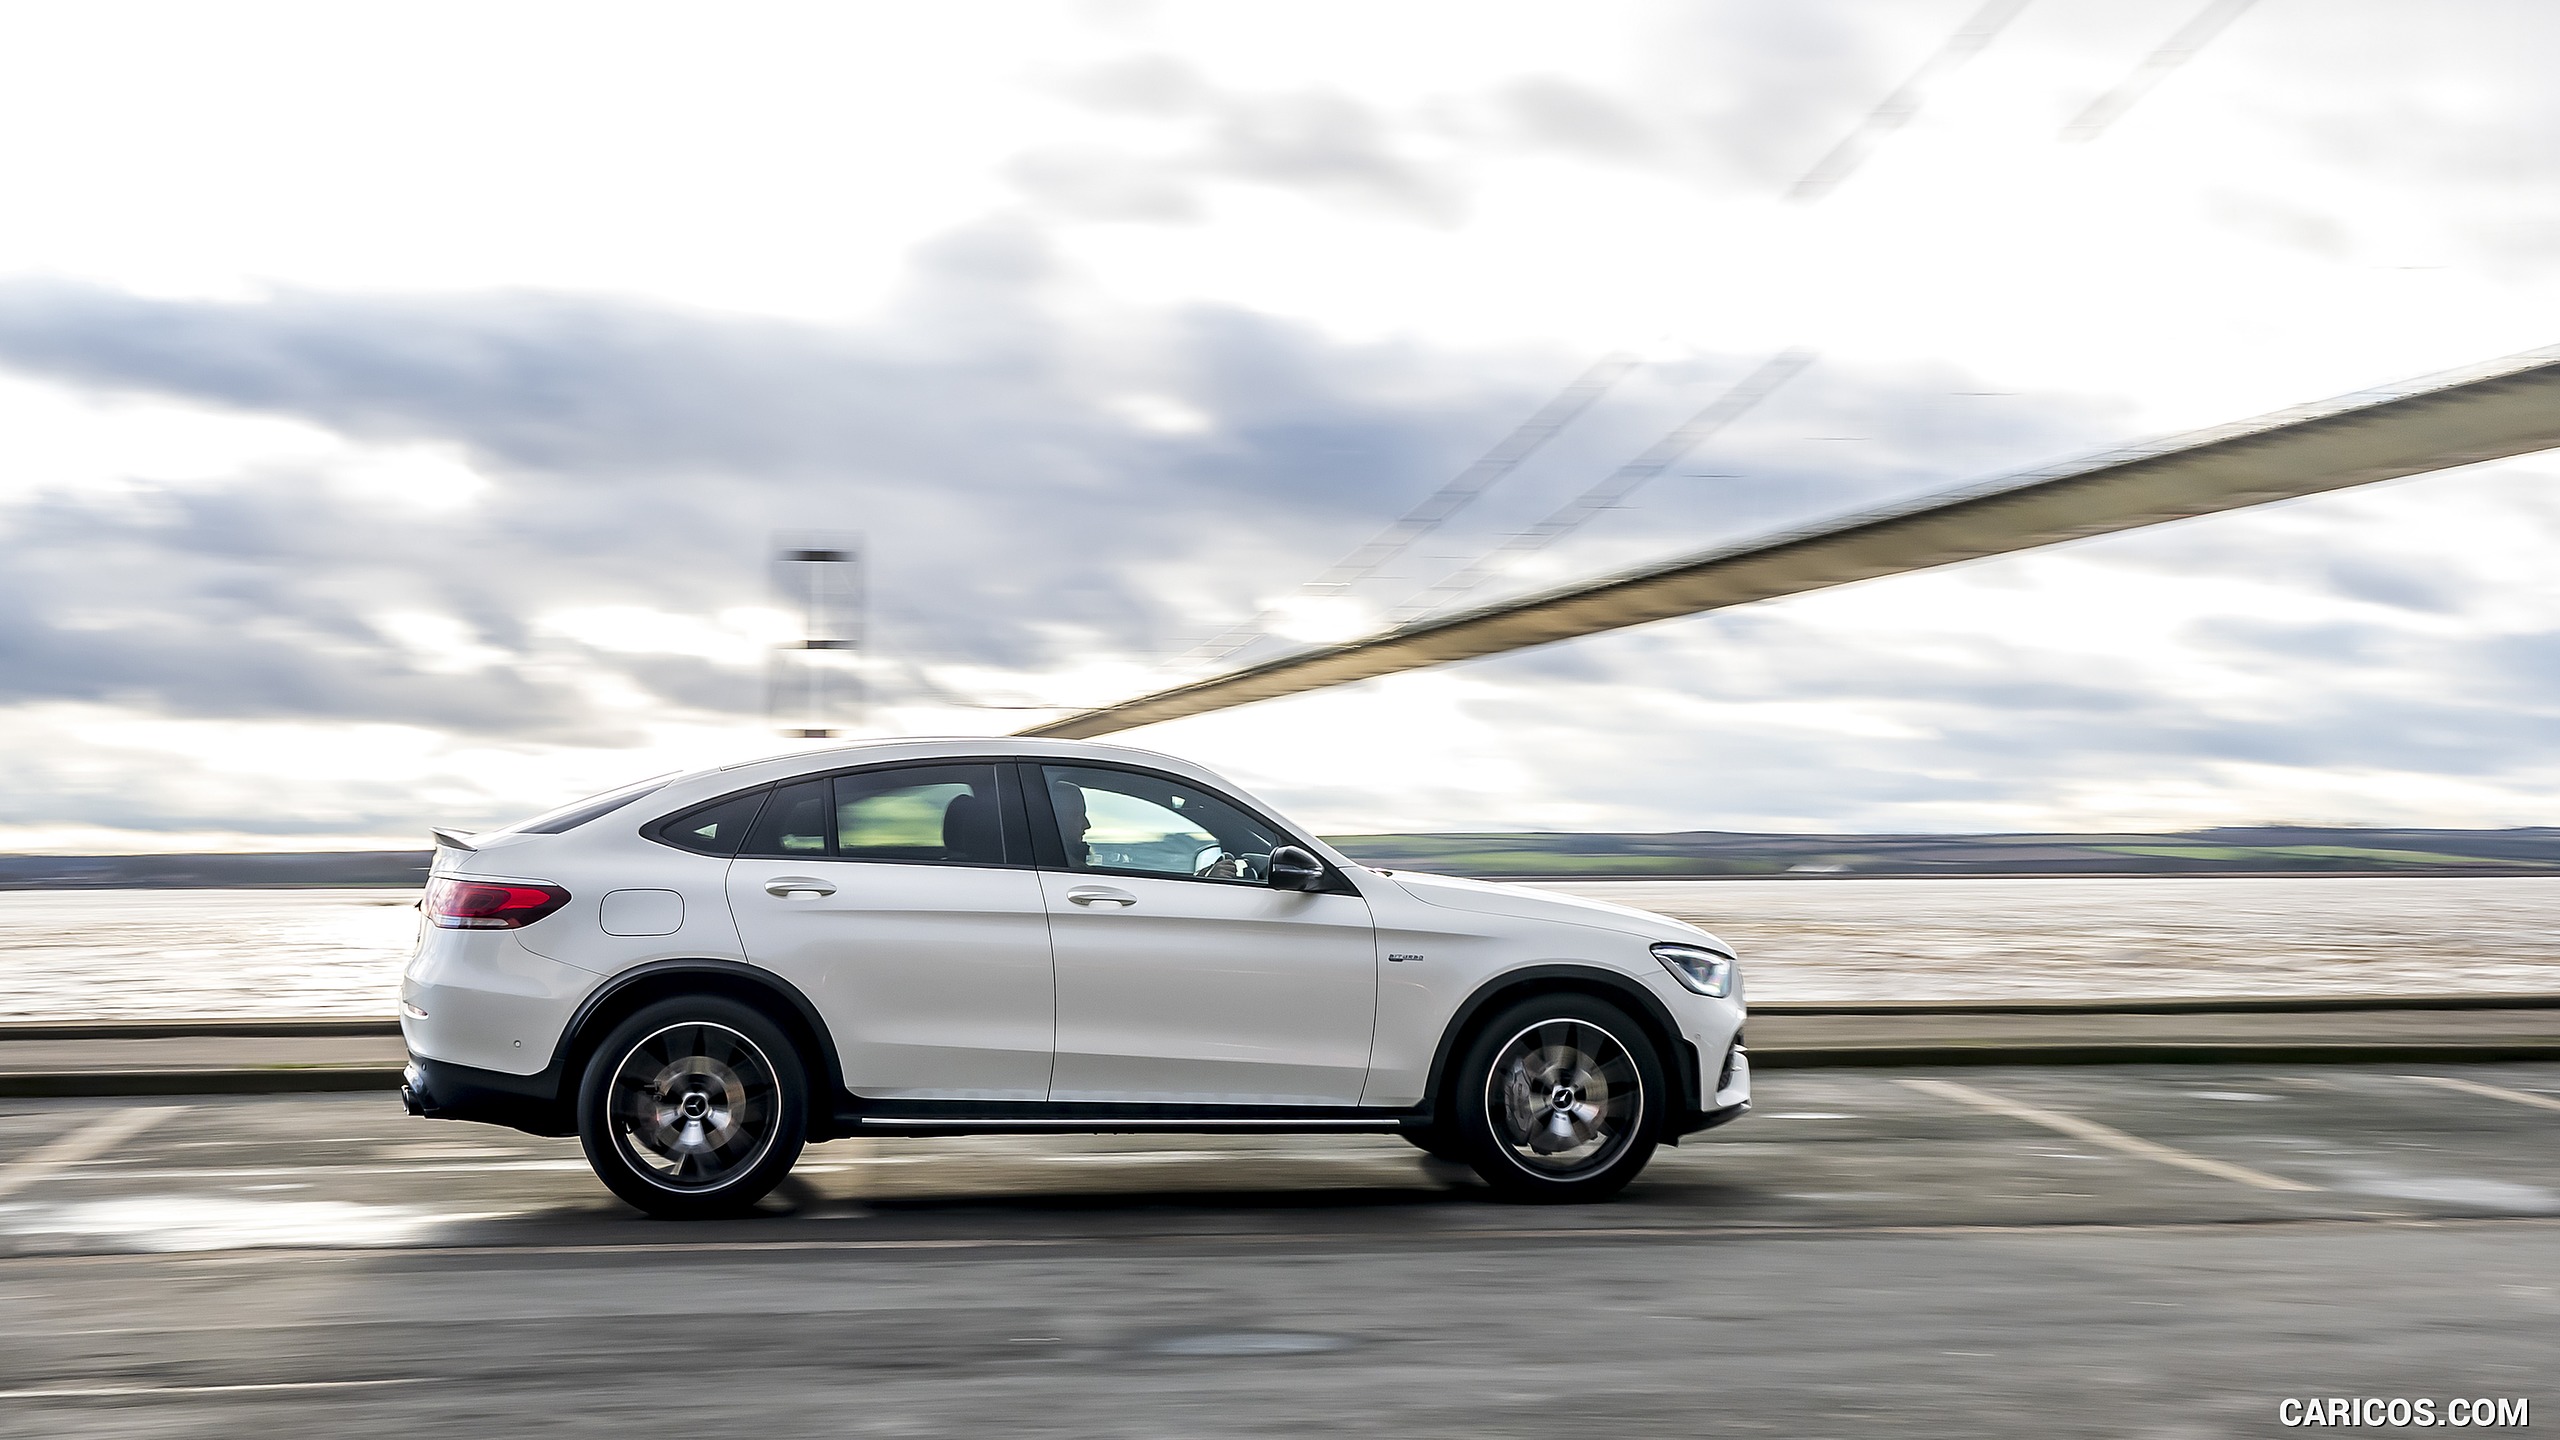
(1049, 850)
(1013, 825)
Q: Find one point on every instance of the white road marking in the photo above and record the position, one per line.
(93, 1392)
(169, 1223)
(80, 1144)
(2097, 1134)
(2500, 1195)
(271, 1172)
(2494, 1092)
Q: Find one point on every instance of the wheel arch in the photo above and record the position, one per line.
(627, 991)
(1678, 1055)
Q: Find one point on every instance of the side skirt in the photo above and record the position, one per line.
(857, 1116)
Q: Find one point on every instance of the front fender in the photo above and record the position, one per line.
(1679, 1057)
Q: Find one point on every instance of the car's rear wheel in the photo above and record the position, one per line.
(1560, 1099)
(694, 1107)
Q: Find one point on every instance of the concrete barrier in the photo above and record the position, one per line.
(309, 1055)
(2165, 1005)
(1853, 1057)
(285, 1028)
(229, 1080)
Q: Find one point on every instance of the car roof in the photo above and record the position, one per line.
(930, 747)
(700, 786)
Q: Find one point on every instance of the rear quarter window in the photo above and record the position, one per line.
(714, 829)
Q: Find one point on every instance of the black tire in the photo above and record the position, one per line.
(694, 1107)
(1560, 1099)
(1439, 1144)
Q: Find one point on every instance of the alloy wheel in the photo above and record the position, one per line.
(1565, 1099)
(693, 1106)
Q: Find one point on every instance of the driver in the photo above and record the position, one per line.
(1067, 798)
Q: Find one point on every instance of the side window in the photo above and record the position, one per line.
(716, 828)
(1119, 820)
(947, 814)
(794, 823)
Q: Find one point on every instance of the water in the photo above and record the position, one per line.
(147, 954)
(158, 954)
(2122, 936)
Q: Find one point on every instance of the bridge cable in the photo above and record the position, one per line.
(1525, 440)
(1612, 491)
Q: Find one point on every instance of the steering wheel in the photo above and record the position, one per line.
(1222, 865)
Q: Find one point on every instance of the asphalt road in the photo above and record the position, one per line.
(2166, 1252)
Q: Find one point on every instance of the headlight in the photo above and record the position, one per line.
(1701, 969)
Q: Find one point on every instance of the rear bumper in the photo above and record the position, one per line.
(441, 1090)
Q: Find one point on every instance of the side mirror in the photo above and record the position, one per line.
(1294, 869)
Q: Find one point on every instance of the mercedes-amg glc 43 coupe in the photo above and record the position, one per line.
(698, 976)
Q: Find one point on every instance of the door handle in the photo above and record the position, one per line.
(1101, 895)
(788, 886)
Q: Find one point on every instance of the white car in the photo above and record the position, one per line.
(699, 975)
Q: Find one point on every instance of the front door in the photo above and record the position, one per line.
(1182, 976)
(889, 897)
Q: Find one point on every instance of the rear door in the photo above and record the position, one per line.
(900, 900)
(1183, 977)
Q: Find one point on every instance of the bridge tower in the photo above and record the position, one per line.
(813, 684)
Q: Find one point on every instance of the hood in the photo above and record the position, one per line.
(1486, 897)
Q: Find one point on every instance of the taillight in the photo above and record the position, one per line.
(490, 904)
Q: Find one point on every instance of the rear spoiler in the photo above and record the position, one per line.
(452, 839)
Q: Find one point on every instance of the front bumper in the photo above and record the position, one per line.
(1710, 1119)
(1728, 1091)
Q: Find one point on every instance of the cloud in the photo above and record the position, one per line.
(1316, 141)
(458, 501)
(1717, 98)
(522, 481)
(1025, 495)
(1104, 185)
(1556, 112)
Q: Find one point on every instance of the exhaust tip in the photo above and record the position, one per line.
(413, 1093)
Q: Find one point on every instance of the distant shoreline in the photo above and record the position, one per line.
(2447, 873)
(2236, 852)
(305, 870)
(23, 887)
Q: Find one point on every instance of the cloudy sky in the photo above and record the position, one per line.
(399, 408)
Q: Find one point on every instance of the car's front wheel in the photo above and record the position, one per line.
(694, 1107)
(1560, 1099)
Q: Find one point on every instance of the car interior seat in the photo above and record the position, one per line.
(969, 831)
